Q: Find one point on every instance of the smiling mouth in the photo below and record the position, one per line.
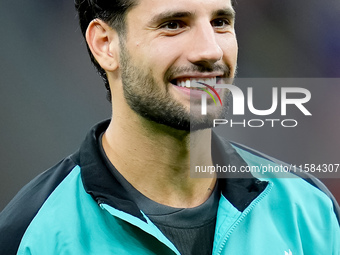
(188, 82)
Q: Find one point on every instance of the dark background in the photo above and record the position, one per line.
(50, 95)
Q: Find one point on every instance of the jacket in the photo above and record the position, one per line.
(78, 207)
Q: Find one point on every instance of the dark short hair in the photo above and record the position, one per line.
(113, 12)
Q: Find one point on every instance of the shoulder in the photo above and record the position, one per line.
(19, 213)
(297, 187)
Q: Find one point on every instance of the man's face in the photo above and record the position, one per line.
(169, 42)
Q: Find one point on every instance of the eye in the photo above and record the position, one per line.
(173, 25)
(220, 23)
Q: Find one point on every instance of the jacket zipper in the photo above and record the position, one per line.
(245, 213)
(102, 205)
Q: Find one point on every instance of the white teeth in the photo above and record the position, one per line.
(213, 81)
(196, 82)
(209, 81)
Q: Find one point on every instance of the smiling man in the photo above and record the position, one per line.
(150, 111)
(128, 189)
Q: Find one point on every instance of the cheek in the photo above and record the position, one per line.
(229, 47)
(162, 54)
(235, 47)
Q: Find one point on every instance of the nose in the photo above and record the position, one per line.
(204, 48)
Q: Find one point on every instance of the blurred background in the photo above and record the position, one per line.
(50, 95)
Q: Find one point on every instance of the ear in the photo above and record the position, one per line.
(103, 42)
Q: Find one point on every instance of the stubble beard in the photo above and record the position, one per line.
(147, 99)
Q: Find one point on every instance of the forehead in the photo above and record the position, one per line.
(149, 8)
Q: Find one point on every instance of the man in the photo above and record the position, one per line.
(128, 189)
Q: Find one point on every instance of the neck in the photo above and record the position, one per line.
(156, 160)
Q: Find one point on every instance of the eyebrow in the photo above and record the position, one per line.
(227, 12)
(169, 15)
